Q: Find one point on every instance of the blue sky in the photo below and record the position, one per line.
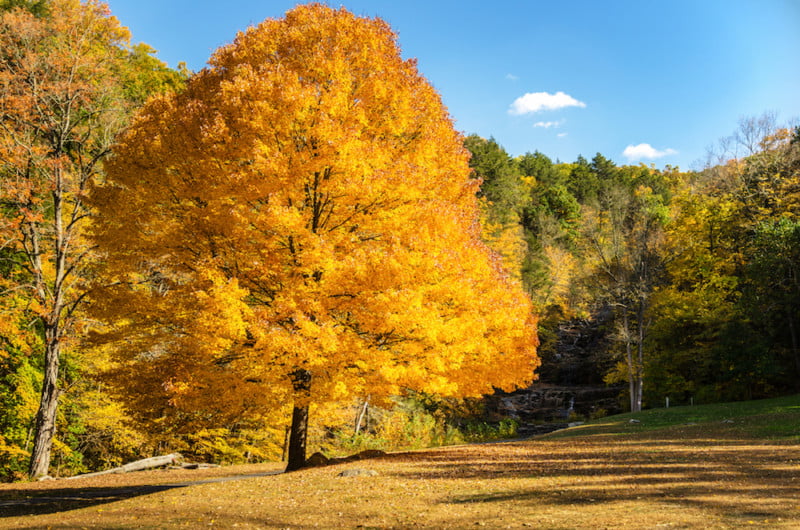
(636, 80)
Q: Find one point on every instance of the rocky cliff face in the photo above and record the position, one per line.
(576, 351)
(543, 402)
(574, 361)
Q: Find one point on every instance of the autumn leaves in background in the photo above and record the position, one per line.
(679, 284)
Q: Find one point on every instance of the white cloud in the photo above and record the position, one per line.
(636, 152)
(511, 77)
(562, 135)
(538, 101)
(548, 124)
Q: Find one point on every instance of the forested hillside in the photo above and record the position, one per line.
(220, 262)
(691, 276)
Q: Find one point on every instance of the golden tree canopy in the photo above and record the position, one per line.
(305, 205)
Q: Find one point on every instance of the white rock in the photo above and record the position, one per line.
(357, 472)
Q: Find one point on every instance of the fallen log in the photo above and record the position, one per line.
(194, 465)
(138, 465)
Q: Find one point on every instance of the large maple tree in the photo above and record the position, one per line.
(300, 226)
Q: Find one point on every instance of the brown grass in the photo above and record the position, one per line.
(690, 477)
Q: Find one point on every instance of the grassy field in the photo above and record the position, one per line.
(719, 466)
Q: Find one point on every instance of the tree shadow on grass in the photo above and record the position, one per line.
(66, 499)
(740, 480)
(18, 502)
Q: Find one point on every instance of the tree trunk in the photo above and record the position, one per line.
(631, 380)
(640, 356)
(636, 401)
(46, 416)
(285, 444)
(633, 372)
(138, 465)
(297, 439)
(48, 406)
(296, 458)
(639, 392)
(360, 417)
(793, 335)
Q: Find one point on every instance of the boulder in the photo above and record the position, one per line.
(357, 472)
(317, 459)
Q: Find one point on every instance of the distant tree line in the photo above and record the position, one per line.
(694, 275)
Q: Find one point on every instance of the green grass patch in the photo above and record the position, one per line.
(771, 419)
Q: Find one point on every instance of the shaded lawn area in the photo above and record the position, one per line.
(56, 496)
(711, 475)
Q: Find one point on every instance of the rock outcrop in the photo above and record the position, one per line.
(554, 403)
(575, 358)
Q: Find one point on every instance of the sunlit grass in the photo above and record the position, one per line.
(660, 473)
(777, 418)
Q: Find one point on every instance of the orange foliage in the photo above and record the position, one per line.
(59, 111)
(304, 205)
